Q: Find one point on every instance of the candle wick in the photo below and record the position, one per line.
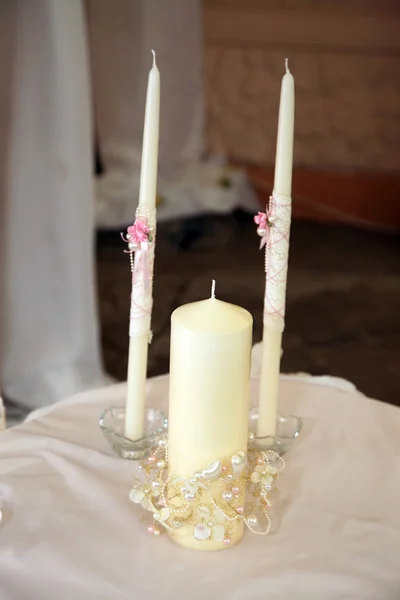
(154, 58)
(287, 65)
(213, 289)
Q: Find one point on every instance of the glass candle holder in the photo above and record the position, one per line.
(287, 431)
(112, 423)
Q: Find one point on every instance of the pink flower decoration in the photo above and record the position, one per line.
(261, 220)
(139, 231)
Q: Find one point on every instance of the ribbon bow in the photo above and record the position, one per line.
(138, 237)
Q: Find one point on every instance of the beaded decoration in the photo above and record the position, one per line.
(274, 230)
(213, 501)
(140, 238)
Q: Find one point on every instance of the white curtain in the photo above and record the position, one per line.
(49, 334)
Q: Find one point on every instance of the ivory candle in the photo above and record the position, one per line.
(141, 298)
(208, 394)
(276, 262)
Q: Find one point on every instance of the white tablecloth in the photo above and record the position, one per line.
(70, 532)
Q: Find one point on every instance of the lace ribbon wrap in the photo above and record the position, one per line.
(142, 276)
(276, 261)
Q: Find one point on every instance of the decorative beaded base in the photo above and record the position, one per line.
(210, 504)
(112, 423)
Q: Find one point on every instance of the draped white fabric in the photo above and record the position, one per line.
(50, 345)
(70, 531)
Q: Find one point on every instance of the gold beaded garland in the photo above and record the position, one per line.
(213, 512)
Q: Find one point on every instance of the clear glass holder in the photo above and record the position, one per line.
(112, 424)
(287, 431)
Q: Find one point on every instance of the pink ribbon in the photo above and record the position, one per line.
(138, 235)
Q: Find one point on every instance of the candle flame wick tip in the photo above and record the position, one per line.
(213, 289)
(287, 65)
(154, 58)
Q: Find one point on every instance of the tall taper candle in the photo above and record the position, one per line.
(142, 276)
(277, 248)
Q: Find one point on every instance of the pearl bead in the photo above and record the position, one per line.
(189, 496)
(192, 480)
(152, 458)
(210, 523)
(261, 231)
(227, 540)
(238, 458)
(251, 436)
(153, 529)
(161, 464)
(128, 236)
(260, 460)
(177, 524)
(156, 516)
(252, 520)
(235, 489)
(227, 496)
(240, 510)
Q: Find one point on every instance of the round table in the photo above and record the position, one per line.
(70, 531)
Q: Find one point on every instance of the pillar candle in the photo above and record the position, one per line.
(208, 394)
(141, 298)
(276, 262)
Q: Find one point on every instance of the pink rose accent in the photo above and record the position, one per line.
(137, 238)
(139, 231)
(261, 220)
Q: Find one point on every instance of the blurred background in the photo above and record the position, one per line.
(72, 104)
(343, 282)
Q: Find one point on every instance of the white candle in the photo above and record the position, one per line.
(209, 393)
(284, 143)
(141, 300)
(148, 173)
(277, 256)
